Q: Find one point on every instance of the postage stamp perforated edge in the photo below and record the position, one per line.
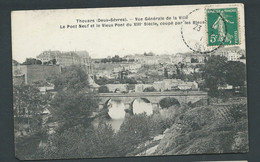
(238, 6)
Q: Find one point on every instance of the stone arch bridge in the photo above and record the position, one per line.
(152, 97)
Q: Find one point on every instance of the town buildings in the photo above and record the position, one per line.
(80, 58)
(152, 59)
(174, 84)
(133, 67)
(159, 86)
(231, 53)
(63, 59)
(114, 88)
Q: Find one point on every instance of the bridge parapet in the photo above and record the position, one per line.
(149, 94)
(153, 97)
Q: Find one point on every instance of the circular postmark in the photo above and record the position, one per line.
(194, 32)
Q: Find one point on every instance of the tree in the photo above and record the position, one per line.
(133, 131)
(166, 73)
(103, 141)
(149, 89)
(74, 103)
(194, 60)
(168, 102)
(214, 74)
(235, 73)
(177, 70)
(32, 61)
(72, 77)
(116, 58)
(101, 81)
(53, 61)
(14, 62)
(149, 54)
(218, 71)
(68, 144)
(105, 60)
(81, 142)
(72, 107)
(103, 89)
(181, 65)
(29, 104)
(128, 81)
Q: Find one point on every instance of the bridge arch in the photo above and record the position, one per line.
(141, 98)
(107, 103)
(140, 105)
(115, 108)
(167, 102)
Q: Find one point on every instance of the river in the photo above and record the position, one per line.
(117, 111)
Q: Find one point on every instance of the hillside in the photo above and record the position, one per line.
(217, 128)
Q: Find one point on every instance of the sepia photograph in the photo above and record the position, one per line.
(129, 81)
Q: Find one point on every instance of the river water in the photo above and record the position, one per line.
(117, 111)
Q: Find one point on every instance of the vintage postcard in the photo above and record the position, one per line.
(132, 81)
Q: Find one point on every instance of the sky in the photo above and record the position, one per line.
(36, 31)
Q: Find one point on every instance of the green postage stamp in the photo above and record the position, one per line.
(222, 25)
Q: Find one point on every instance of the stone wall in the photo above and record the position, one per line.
(33, 73)
(41, 72)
